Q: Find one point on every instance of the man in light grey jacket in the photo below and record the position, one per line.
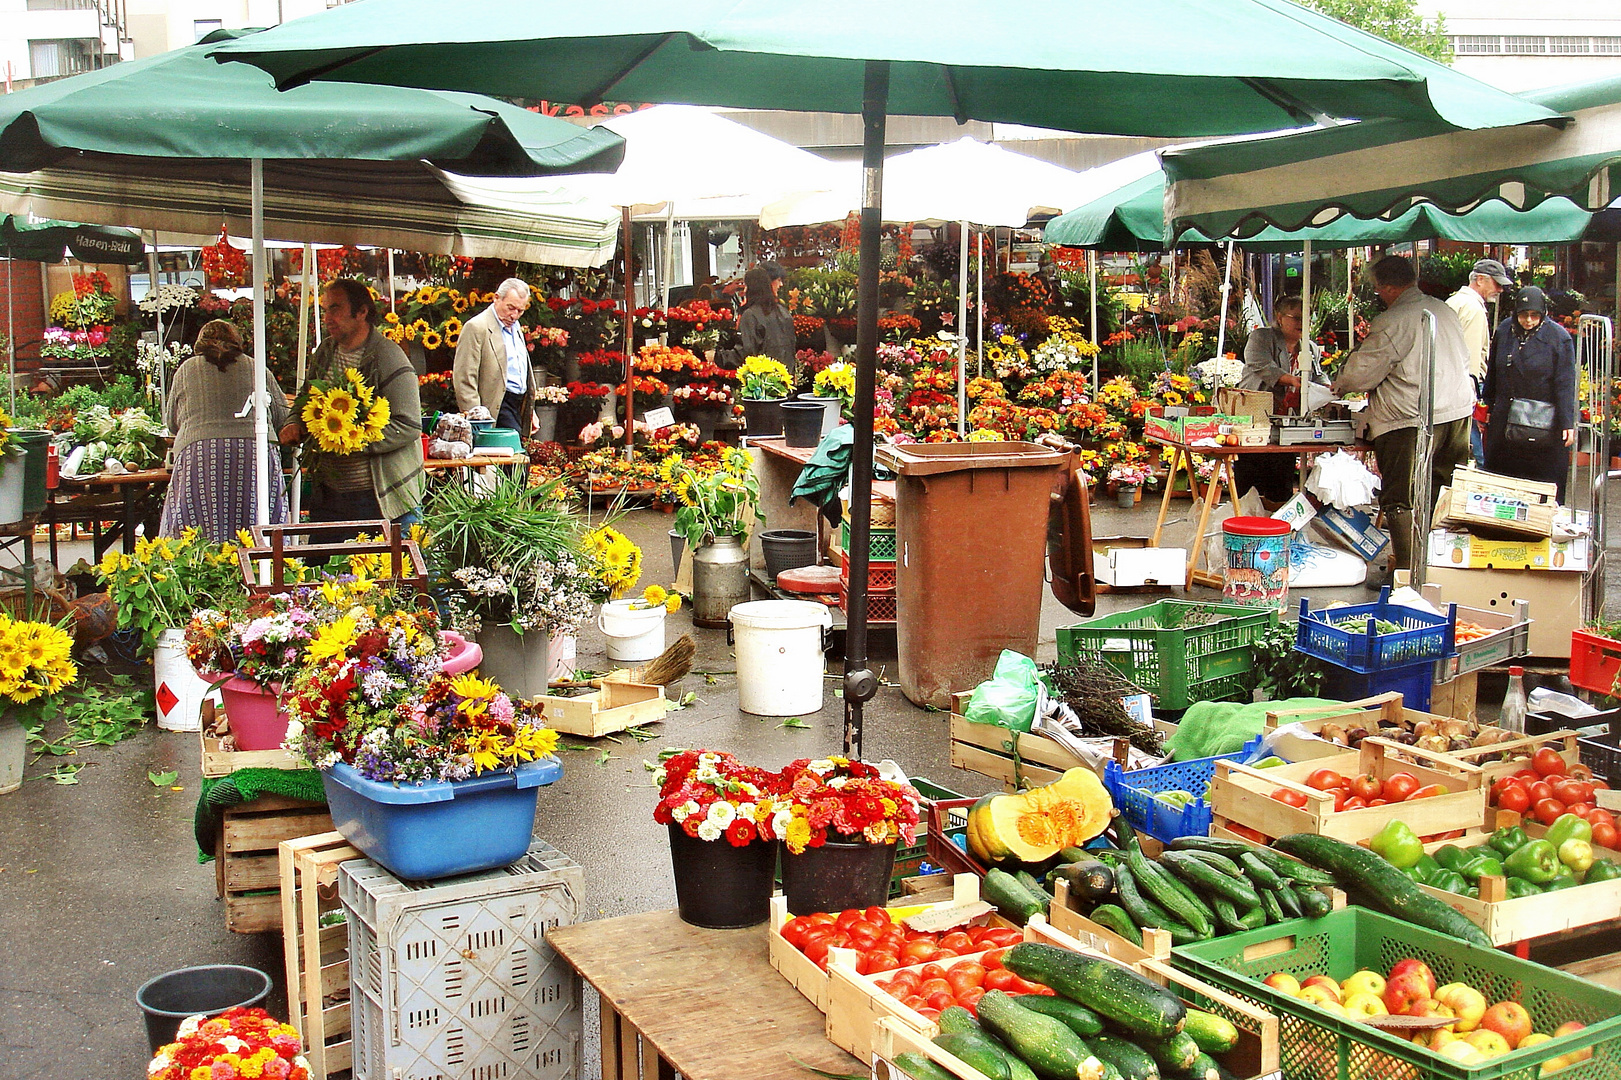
(492, 360)
(1390, 365)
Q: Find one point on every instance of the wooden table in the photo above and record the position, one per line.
(476, 461)
(704, 1003)
(777, 465)
(1222, 482)
(136, 498)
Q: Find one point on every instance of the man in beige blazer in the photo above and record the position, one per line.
(492, 360)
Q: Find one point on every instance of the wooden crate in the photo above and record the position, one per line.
(1519, 752)
(218, 762)
(991, 750)
(1241, 795)
(247, 872)
(1065, 919)
(811, 980)
(317, 955)
(615, 707)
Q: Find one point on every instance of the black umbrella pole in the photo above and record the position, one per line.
(859, 682)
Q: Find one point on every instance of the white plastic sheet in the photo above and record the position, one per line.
(1342, 481)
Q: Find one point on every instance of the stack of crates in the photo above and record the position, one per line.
(1361, 665)
(454, 977)
(881, 603)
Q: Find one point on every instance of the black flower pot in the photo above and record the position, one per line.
(763, 416)
(837, 876)
(719, 886)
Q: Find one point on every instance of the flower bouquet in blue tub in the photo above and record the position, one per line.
(428, 774)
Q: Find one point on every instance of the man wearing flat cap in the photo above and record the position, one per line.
(1487, 280)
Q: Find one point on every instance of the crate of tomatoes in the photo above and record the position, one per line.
(1550, 783)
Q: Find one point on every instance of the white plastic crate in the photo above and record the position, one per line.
(453, 979)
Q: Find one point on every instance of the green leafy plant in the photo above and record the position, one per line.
(167, 578)
(719, 503)
(1281, 672)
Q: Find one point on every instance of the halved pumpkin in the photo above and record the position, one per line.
(1034, 825)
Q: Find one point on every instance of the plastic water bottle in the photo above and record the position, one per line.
(1512, 716)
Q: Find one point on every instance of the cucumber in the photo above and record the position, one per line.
(955, 1018)
(977, 1049)
(1077, 1017)
(1115, 918)
(1144, 912)
(1035, 888)
(1382, 885)
(1164, 890)
(1133, 1061)
(1204, 1067)
(1174, 1054)
(919, 1067)
(1227, 914)
(1278, 862)
(1208, 880)
(1220, 862)
(1314, 903)
(1259, 872)
(1214, 1034)
(1048, 1046)
(1090, 881)
(1076, 854)
(1111, 990)
(1252, 918)
(1290, 905)
(1011, 898)
(1269, 904)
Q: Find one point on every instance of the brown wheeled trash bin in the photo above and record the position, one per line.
(971, 546)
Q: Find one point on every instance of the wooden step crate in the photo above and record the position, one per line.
(217, 761)
(317, 955)
(247, 874)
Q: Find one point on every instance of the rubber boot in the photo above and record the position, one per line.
(1401, 539)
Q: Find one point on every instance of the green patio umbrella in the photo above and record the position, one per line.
(1077, 65)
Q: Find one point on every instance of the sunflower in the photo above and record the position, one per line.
(451, 326)
(392, 318)
(423, 295)
(333, 640)
(431, 339)
(460, 305)
(655, 595)
(420, 326)
(453, 340)
(342, 403)
(471, 686)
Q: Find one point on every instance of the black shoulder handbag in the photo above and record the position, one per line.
(1530, 423)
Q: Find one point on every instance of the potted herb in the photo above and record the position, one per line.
(765, 384)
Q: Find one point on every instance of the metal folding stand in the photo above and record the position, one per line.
(1595, 354)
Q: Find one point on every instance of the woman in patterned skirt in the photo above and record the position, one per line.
(210, 412)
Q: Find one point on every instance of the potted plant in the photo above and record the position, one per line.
(36, 664)
(835, 386)
(843, 821)
(718, 508)
(703, 403)
(765, 384)
(1129, 480)
(548, 399)
(723, 818)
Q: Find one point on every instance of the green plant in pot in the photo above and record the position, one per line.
(717, 510)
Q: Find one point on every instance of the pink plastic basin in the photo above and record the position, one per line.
(464, 655)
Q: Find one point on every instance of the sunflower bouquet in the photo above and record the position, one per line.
(344, 416)
(36, 664)
(619, 561)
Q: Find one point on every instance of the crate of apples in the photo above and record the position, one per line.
(884, 944)
(1480, 1030)
(1549, 788)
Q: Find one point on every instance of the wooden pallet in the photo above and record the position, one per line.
(317, 956)
(247, 874)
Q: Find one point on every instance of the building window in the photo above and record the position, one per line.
(1569, 46)
(1525, 46)
(1478, 44)
(53, 59)
(201, 28)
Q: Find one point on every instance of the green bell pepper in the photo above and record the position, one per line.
(1450, 857)
(1450, 881)
(1518, 887)
(1481, 865)
(1568, 827)
(1426, 868)
(1564, 881)
(1397, 844)
(1602, 870)
(1508, 840)
(1537, 862)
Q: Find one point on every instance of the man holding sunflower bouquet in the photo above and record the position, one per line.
(360, 414)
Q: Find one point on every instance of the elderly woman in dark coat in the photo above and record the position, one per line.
(1531, 377)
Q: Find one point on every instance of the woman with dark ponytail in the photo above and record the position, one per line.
(210, 413)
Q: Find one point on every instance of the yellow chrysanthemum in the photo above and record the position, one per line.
(472, 686)
(654, 595)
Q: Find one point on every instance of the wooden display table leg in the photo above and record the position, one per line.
(620, 1043)
(1165, 499)
(1222, 476)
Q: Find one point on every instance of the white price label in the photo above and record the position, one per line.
(660, 418)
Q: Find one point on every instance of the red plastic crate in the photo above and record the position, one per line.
(880, 606)
(1594, 661)
(880, 576)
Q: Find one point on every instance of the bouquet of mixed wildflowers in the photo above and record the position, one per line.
(264, 644)
(343, 416)
(835, 797)
(711, 794)
(237, 1043)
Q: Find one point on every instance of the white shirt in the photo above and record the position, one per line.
(517, 357)
(1477, 331)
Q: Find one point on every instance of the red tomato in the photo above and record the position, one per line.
(1367, 786)
(1290, 798)
(931, 1015)
(1323, 779)
(794, 931)
(1549, 811)
(1539, 790)
(1255, 836)
(877, 916)
(1428, 791)
(943, 953)
(1580, 809)
(1399, 786)
(941, 1000)
(1599, 785)
(1378, 802)
(913, 1001)
(918, 952)
(816, 950)
(1515, 799)
(1528, 775)
(993, 959)
(1573, 791)
(932, 971)
(969, 998)
(958, 942)
(863, 937)
(1604, 834)
(1504, 782)
(1025, 986)
(907, 979)
(1547, 762)
(1000, 979)
(1342, 796)
(968, 971)
(1355, 802)
(820, 917)
(882, 961)
(848, 918)
(839, 939)
(1003, 936)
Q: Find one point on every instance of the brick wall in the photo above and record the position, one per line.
(25, 304)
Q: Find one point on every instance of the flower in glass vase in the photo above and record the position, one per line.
(833, 798)
(712, 795)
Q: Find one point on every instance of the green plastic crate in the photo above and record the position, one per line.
(1316, 1045)
(880, 542)
(1165, 648)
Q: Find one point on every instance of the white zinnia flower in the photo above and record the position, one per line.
(710, 831)
(722, 813)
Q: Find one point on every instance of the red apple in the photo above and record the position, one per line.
(1404, 966)
(1404, 991)
(1509, 1019)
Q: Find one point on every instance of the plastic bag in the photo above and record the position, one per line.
(1008, 697)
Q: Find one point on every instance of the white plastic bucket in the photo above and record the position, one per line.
(180, 691)
(779, 656)
(634, 635)
(11, 486)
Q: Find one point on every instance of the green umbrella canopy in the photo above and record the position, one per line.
(1132, 218)
(1375, 168)
(46, 241)
(182, 105)
(1078, 65)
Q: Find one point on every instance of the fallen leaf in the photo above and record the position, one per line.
(793, 722)
(163, 779)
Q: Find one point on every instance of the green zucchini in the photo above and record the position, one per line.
(1113, 991)
(1259, 872)
(1076, 854)
(1077, 1017)
(1214, 1034)
(1204, 1067)
(1280, 863)
(1314, 903)
(1144, 912)
(1381, 885)
(1207, 879)
(1288, 902)
(919, 1067)
(1010, 897)
(1090, 882)
(955, 1018)
(1133, 1061)
(1227, 914)
(1158, 884)
(1115, 918)
(1269, 904)
(977, 1049)
(1036, 889)
(1048, 1046)
(1174, 1054)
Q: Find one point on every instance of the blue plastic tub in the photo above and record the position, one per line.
(1423, 636)
(1413, 683)
(1133, 794)
(439, 829)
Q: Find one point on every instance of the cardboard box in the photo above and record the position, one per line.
(1298, 512)
(1353, 529)
(1555, 599)
(1126, 561)
(1506, 503)
(1450, 547)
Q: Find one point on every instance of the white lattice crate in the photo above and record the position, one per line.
(453, 979)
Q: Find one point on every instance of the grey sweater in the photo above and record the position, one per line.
(204, 402)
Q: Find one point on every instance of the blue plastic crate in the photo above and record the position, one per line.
(1423, 637)
(1133, 794)
(1413, 683)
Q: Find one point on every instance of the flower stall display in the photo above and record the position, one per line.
(837, 380)
(81, 330)
(226, 267)
(36, 664)
(237, 1043)
(157, 588)
(724, 820)
(844, 821)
